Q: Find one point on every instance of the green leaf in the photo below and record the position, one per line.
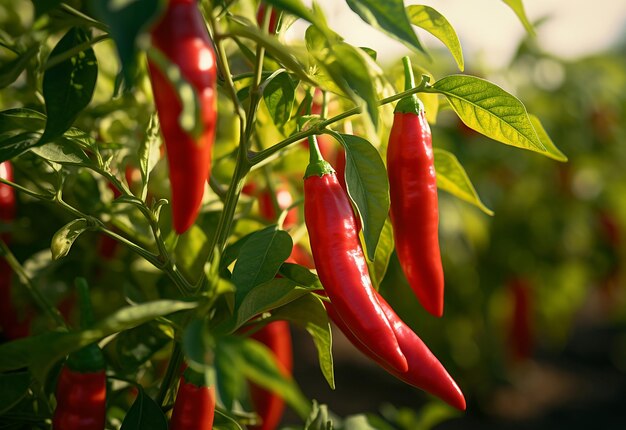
(388, 16)
(260, 258)
(301, 276)
(361, 74)
(384, 249)
(452, 178)
(191, 252)
(294, 7)
(21, 119)
(309, 313)
(258, 363)
(269, 295)
(358, 422)
(127, 21)
(551, 150)
(40, 352)
(144, 414)
(11, 70)
(68, 86)
(368, 187)
(64, 238)
(231, 382)
(319, 418)
(13, 146)
(44, 6)
(518, 8)
(488, 109)
(68, 153)
(135, 346)
(222, 421)
(436, 24)
(279, 94)
(13, 388)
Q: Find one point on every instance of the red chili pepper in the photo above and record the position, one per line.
(194, 408)
(425, 371)
(299, 255)
(260, 16)
(13, 327)
(414, 206)
(520, 338)
(182, 36)
(340, 262)
(81, 400)
(269, 405)
(284, 200)
(81, 388)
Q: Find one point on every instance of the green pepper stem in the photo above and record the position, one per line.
(409, 104)
(84, 301)
(317, 165)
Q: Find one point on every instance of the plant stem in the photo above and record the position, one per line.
(36, 295)
(319, 127)
(172, 367)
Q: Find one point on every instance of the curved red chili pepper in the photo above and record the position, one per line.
(182, 36)
(520, 337)
(269, 405)
(340, 262)
(425, 371)
(194, 408)
(81, 400)
(414, 207)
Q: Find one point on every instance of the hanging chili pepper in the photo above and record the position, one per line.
(182, 36)
(269, 405)
(13, 326)
(413, 192)
(194, 408)
(340, 262)
(81, 388)
(520, 336)
(425, 371)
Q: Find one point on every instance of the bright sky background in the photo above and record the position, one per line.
(490, 29)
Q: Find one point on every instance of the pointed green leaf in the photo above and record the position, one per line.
(368, 187)
(149, 153)
(127, 20)
(452, 178)
(551, 150)
(258, 363)
(13, 388)
(68, 86)
(279, 95)
(488, 109)
(11, 70)
(384, 249)
(518, 8)
(67, 153)
(144, 414)
(63, 239)
(436, 24)
(309, 313)
(260, 258)
(388, 16)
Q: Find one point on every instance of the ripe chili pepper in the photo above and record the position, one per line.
(182, 36)
(520, 337)
(269, 405)
(194, 408)
(81, 400)
(284, 200)
(425, 371)
(260, 16)
(81, 388)
(413, 192)
(13, 327)
(340, 262)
